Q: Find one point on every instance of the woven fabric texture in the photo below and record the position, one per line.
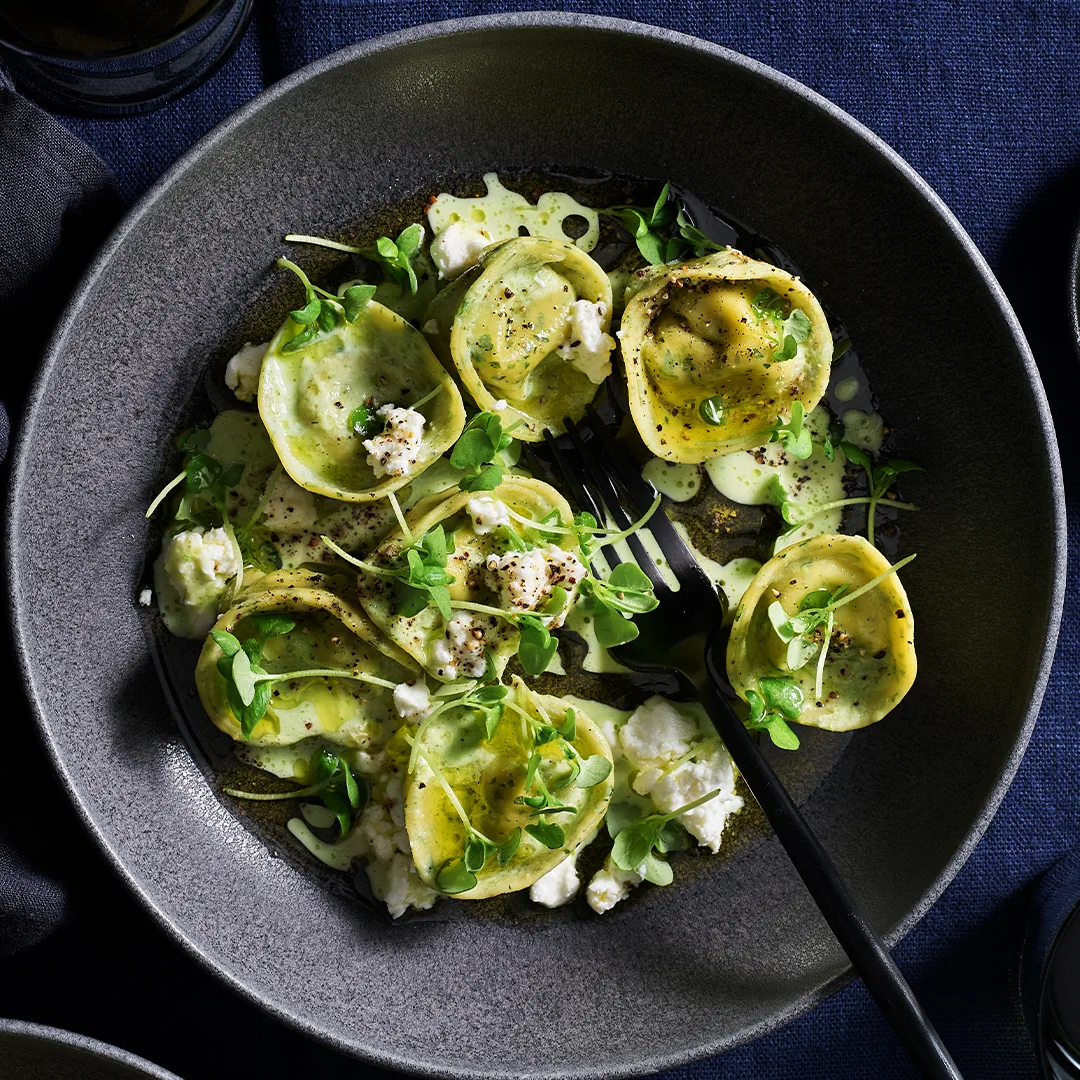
(983, 99)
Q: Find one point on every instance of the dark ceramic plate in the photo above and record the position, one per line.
(35, 1052)
(678, 973)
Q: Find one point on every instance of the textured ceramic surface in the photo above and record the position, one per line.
(678, 973)
(35, 1052)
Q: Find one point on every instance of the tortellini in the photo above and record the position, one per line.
(481, 558)
(870, 664)
(380, 365)
(717, 350)
(330, 633)
(529, 338)
(488, 777)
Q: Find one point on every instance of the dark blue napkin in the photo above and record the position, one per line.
(984, 101)
(59, 200)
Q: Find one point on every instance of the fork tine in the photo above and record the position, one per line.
(609, 495)
(582, 495)
(640, 494)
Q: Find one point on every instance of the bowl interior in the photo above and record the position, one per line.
(681, 972)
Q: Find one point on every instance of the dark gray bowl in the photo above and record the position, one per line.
(680, 973)
(36, 1052)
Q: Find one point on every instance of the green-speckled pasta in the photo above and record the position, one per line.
(417, 634)
(871, 662)
(510, 329)
(487, 776)
(306, 398)
(689, 333)
(330, 633)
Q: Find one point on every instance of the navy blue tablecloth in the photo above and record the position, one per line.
(984, 100)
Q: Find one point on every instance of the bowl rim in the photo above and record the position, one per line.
(47, 1035)
(540, 20)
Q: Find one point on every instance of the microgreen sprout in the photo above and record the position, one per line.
(486, 700)
(539, 795)
(395, 256)
(808, 632)
(662, 232)
(206, 484)
(322, 310)
(459, 875)
(772, 705)
(881, 478)
(585, 528)
(334, 784)
(638, 847)
(421, 574)
(477, 452)
(794, 324)
(627, 591)
(249, 686)
(794, 436)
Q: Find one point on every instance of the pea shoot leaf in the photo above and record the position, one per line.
(662, 232)
(636, 844)
(331, 781)
(477, 452)
(795, 438)
(548, 833)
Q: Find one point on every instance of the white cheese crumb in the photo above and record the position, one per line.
(288, 507)
(200, 563)
(431, 326)
(146, 597)
(499, 405)
(587, 347)
(462, 647)
(610, 885)
(383, 836)
(412, 700)
(487, 513)
(524, 579)
(655, 737)
(558, 886)
(242, 371)
(400, 888)
(694, 780)
(395, 451)
(457, 248)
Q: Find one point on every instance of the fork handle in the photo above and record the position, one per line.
(860, 941)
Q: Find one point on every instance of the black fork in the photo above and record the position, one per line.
(680, 638)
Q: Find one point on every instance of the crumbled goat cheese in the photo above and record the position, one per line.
(395, 451)
(487, 513)
(242, 371)
(610, 885)
(412, 700)
(693, 780)
(462, 646)
(654, 738)
(200, 563)
(431, 326)
(524, 579)
(588, 348)
(558, 886)
(457, 248)
(288, 506)
(399, 887)
(146, 597)
(383, 834)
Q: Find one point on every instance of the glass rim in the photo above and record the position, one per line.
(37, 53)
